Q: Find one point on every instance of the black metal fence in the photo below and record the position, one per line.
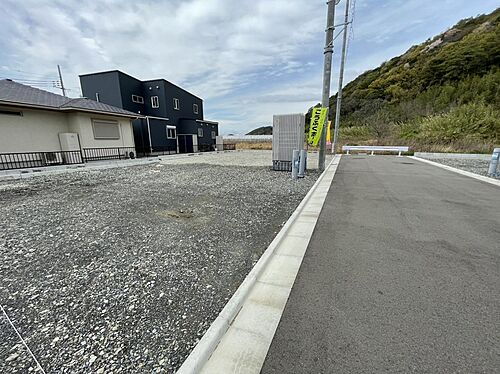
(116, 153)
(156, 151)
(164, 150)
(23, 160)
(215, 147)
(204, 148)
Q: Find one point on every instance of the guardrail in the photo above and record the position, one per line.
(247, 138)
(375, 148)
(24, 160)
(115, 153)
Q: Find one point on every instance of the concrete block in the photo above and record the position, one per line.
(239, 351)
(281, 270)
(293, 246)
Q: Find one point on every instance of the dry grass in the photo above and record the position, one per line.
(255, 145)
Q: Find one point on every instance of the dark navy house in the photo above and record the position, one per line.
(173, 117)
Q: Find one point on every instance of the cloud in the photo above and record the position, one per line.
(248, 58)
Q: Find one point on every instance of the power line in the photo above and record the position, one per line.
(28, 74)
(31, 81)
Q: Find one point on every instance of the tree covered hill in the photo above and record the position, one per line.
(443, 94)
(263, 130)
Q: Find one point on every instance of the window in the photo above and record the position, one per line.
(138, 99)
(155, 103)
(171, 132)
(200, 133)
(106, 129)
(97, 96)
(195, 108)
(10, 112)
(177, 104)
(214, 135)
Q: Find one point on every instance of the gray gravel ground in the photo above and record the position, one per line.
(123, 270)
(474, 166)
(242, 158)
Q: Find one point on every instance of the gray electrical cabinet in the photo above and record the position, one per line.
(288, 135)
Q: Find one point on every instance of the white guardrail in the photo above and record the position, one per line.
(375, 148)
(248, 138)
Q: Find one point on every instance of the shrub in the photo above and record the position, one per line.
(355, 133)
(474, 121)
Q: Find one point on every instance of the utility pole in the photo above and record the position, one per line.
(327, 74)
(61, 80)
(341, 79)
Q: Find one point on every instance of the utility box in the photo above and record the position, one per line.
(69, 141)
(288, 135)
(70, 147)
(195, 143)
(219, 142)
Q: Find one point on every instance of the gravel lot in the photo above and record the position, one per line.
(473, 165)
(242, 158)
(123, 270)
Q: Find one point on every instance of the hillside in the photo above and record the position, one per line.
(263, 130)
(443, 94)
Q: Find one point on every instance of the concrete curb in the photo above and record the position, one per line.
(472, 156)
(211, 339)
(482, 178)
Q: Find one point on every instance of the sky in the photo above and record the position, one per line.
(248, 59)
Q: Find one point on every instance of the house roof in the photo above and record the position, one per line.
(14, 93)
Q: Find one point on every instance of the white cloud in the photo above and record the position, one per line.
(211, 47)
(247, 58)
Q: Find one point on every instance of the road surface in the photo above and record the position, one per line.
(401, 275)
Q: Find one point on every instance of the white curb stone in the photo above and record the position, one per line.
(496, 182)
(239, 338)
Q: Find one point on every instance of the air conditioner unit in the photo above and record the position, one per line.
(126, 153)
(52, 158)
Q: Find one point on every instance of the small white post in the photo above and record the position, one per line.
(495, 158)
(372, 152)
(399, 154)
(295, 164)
(347, 151)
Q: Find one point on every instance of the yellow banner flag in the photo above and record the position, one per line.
(329, 133)
(318, 118)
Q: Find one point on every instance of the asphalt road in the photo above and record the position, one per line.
(401, 275)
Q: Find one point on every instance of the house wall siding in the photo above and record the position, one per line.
(191, 127)
(184, 118)
(107, 85)
(130, 86)
(81, 123)
(38, 131)
(34, 131)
